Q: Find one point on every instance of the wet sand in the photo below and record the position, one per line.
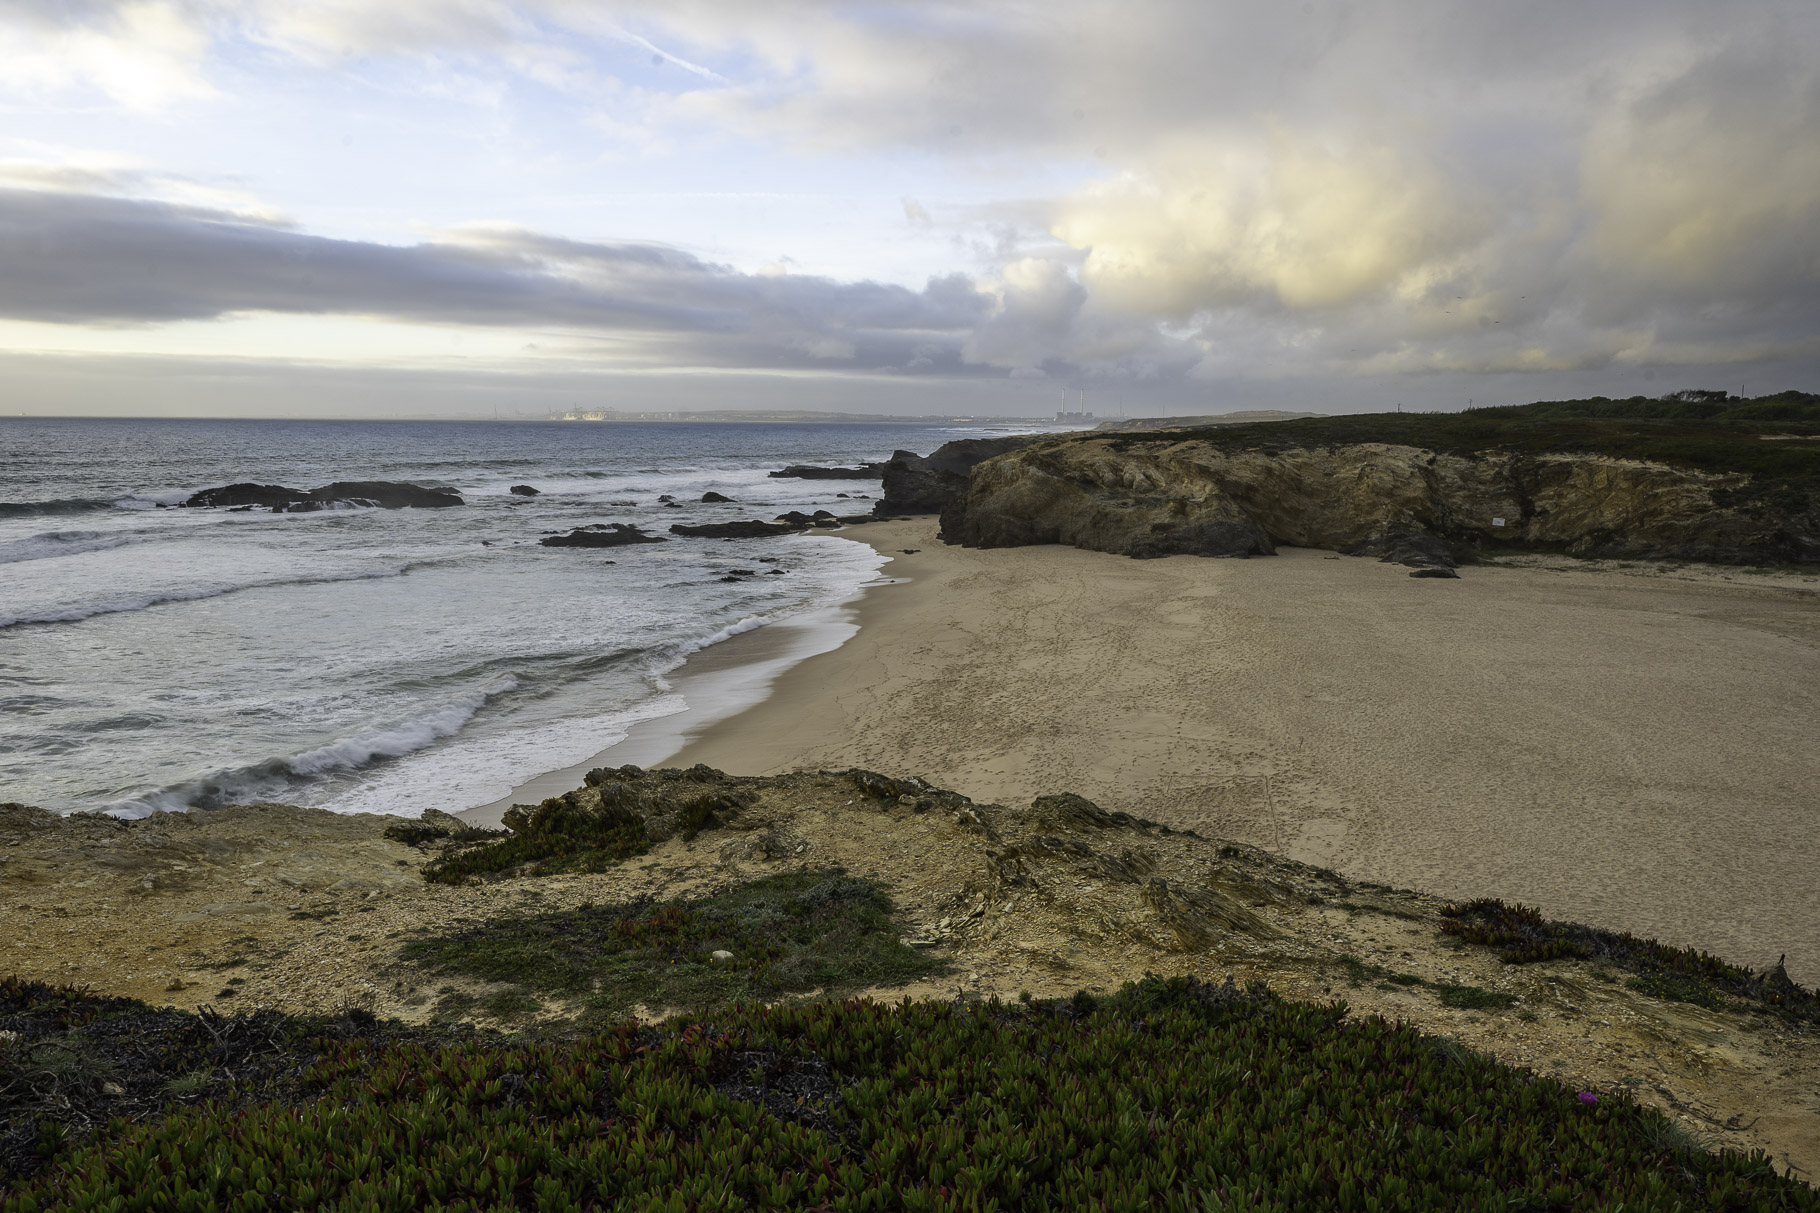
(1630, 748)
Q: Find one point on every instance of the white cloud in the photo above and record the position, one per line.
(142, 54)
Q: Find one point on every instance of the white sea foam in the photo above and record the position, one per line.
(278, 778)
(477, 770)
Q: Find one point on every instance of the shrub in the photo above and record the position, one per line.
(1520, 935)
(559, 835)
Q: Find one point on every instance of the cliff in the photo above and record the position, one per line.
(1429, 491)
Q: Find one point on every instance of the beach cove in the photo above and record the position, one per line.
(1627, 746)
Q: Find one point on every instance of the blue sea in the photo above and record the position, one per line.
(370, 660)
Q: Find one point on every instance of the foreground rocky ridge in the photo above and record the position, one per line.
(309, 912)
(1197, 495)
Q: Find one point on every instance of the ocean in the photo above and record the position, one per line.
(371, 660)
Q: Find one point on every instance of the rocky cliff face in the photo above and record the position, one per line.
(1401, 502)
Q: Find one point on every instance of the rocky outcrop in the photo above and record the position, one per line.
(343, 494)
(523, 490)
(1402, 503)
(865, 471)
(915, 484)
(713, 498)
(601, 535)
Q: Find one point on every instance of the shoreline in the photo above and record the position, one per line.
(729, 678)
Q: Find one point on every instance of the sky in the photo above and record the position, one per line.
(453, 207)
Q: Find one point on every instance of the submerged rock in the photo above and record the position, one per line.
(601, 535)
(523, 490)
(746, 529)
(711, 498)
(866, 471)
(380, 494)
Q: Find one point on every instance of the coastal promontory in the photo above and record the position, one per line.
(1734, 483)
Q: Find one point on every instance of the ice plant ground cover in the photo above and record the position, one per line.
(1172, 1094)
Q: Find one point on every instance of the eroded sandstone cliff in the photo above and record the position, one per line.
(1422, 507)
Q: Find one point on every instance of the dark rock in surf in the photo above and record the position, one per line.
(245, 494)
(601, 535)
(748, 529)
(523, 490)
(381, 494)
(796, 518)
(712, 498)
(866, 471)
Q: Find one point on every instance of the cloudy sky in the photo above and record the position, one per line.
(446, 206)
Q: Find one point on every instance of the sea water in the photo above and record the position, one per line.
(368, 660)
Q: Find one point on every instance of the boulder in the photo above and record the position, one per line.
(715, 498)
(601, 535)
(522, 490)
(747, 529)
(866, 471)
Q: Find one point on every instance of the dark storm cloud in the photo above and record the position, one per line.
(86, 259)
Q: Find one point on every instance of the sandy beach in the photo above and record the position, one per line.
(1634, 748)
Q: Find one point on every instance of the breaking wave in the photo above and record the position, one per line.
(275, 777)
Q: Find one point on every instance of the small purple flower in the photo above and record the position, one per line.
(1588, 1097)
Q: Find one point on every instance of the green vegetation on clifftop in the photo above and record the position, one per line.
(1703, 434)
